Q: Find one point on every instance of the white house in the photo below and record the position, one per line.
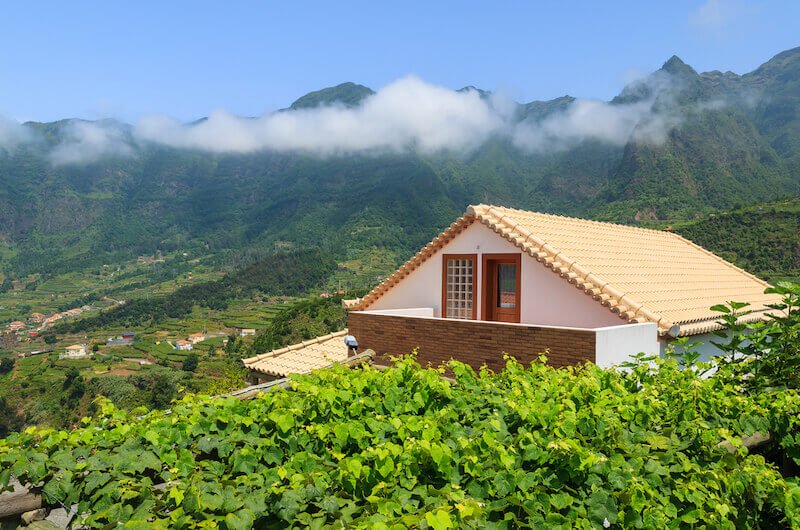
(506, 280)
(76, 351)
(194, 338)
(183, 345)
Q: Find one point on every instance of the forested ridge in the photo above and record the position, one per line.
(735, 142)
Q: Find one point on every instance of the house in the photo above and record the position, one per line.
(128, 335)
(505, 280)
(119, 341)
(183, 345)
(194, 338)
(38, 318)
(76, 351)
(16, 326)
(298, 359)
(247, 332)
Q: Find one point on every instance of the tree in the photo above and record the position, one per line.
(190, 362)
(162, 392)
(74, 388)
(6, 365)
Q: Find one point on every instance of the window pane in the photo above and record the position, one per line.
(507, 285)
(458, 295)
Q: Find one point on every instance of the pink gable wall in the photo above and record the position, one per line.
(547, 299)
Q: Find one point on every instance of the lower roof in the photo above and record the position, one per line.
(301, 358)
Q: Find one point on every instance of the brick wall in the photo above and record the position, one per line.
(475, 343)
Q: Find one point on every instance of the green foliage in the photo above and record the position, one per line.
(6, 365)
(9, 419)
(167, 200)
(763, 354)
(280, 274)
(347, 94)
(764, 240)
(190, 362)
(74, 388)
(302, 321)
(529, 447)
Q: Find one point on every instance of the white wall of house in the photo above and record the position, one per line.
(617, 344)
(706, 348)
(546, 298)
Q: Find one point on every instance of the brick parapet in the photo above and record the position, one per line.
(474, 343)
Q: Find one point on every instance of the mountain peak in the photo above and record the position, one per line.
(348, 94)
(676, 66)
(472, 88)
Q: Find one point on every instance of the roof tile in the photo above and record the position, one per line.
(301, 358)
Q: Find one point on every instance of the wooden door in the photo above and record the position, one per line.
(501, 287)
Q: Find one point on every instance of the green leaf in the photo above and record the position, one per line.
(439, 520)
(240, 520)
(283, 420)
(559, 501)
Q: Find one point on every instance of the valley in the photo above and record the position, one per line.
(167, 242)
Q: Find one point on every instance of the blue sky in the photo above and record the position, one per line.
(185, 59)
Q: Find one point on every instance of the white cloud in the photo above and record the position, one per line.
(12, 134)
(408, 113)
(87, 142)
(594, 120)
(412, 114)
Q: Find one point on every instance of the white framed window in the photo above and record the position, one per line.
(459, 275)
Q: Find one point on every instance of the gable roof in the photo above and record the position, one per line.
(642, 275)
(301, 358)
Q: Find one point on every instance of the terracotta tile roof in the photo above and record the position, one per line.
(301, 358)
(642, 275)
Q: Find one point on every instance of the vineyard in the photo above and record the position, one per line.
(405, 447)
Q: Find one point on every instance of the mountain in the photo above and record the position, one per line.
(347, 94)
(763, 239)
(702, 142)
(716, 152)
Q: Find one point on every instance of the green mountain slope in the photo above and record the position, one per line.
(347, 94)
(731, 140)
(763, 239)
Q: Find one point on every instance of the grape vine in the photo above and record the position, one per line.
(529, 447)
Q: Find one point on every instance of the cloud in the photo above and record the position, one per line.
(87, 142)
(647, 115)
(594, 120)
(717, 16)
(12, 134)
(411, 114)
(406, 114)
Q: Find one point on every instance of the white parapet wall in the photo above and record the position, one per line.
(408, 312)
(617, 344)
